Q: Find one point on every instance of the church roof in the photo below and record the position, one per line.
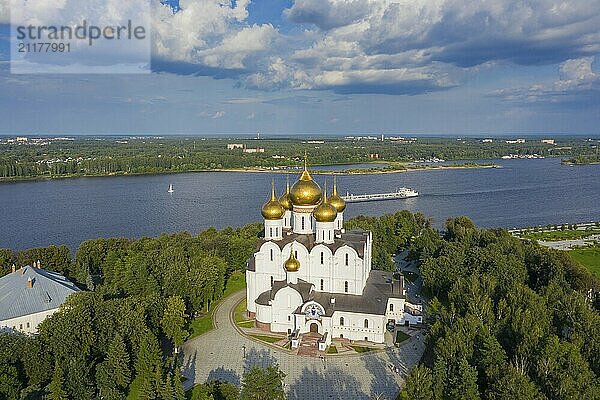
(355, 238)
(302, 287)
(378, 290)
(49, 290)
(373, 300)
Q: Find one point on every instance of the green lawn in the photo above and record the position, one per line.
(331, 350)
(567, 234)
(401, 337)
(203, 324)
(268, 339)
(589, 256)
(361, 349)
(239, 316)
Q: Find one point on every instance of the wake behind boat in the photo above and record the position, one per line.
(402, 193)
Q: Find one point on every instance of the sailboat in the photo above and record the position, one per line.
(170, 189)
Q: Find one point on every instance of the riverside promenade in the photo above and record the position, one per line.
(225, 354)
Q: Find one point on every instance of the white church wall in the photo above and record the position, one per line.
(395, 310)
(251, 291)
(353, 327)
(321, 271)
(286, 301)
(263, 314)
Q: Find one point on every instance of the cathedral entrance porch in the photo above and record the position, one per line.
(309, 343)
(314, 328)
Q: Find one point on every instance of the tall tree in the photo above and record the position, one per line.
(173, 320)
(263, 384)
(57, 391)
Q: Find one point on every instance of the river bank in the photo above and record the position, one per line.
(370, 171)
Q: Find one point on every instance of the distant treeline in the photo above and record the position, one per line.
(583, 160)
(135, 156)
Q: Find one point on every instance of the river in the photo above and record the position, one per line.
(68, 211)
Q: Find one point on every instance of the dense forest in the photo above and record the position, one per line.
(508, 318)
(105, 156)
(117, 337)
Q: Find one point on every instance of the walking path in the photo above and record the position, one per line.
(219, 354)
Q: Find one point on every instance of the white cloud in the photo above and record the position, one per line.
(212, 33)
(401, 46)
(577, 80)
(4, 11)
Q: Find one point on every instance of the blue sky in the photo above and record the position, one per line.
(334, 66)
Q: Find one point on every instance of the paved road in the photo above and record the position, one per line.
(569, 244)
(218, 354)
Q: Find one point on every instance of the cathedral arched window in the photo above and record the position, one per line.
(296, 253)
(341, 321)
(271, 281)
(271, 254)
(366, 323)
(302, 223)
(347, 259)
(271, 232)
(346, 286)
(391, 307)
(322, 284)
(322, 257)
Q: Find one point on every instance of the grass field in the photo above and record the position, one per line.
(569, 234)
(268, 339)
(401, 337)
(361, 349)
(331, 350)
(239, 316)
(203, 324)
(589, 256)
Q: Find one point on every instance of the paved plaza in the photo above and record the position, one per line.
(219, 354)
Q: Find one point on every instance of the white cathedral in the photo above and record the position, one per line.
(310, 275)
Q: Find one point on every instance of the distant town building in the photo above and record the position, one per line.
(315, 142)
(374, 156)
(29, 295)
(233, 146)
(548, 141)
(256, 150)
(516, 141)
(487, 140)
(22, 139)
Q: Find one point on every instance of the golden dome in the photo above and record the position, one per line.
(286, 200)
(335, 200)
(325, 212)
(292, 264)
(305, 192)
(273, 210)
